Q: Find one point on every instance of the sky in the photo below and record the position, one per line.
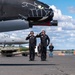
(63, 35)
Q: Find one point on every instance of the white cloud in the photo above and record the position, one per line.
(63, 20)
(72, 9)
(59, 29)
(72, 35)
(57, 13)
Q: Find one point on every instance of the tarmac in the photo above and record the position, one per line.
(20, 65)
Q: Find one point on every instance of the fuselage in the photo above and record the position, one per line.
(23, 14)
(14, 9)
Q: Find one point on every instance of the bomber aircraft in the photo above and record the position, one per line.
(8, 48)
(10, 41)
(24, 14)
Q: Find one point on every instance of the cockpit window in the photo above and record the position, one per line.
(40, 7)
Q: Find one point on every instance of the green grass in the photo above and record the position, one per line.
(24, 49)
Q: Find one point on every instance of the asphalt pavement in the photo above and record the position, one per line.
(20, 65)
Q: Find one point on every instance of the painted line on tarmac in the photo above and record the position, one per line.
(28, 64)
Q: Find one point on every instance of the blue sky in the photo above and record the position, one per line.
(62, 5)
(62, 36)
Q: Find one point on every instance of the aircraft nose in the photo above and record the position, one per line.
(41, 12)
(50, 12)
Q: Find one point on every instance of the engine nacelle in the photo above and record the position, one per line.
(54, 23)
(12, 25)
(43, 23)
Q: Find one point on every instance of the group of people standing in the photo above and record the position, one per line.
(45, 40)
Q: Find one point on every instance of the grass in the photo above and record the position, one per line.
(24, 49)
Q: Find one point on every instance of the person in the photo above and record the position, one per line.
(39, 49)
(45, 40)
(51, 47)
(32, 45)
